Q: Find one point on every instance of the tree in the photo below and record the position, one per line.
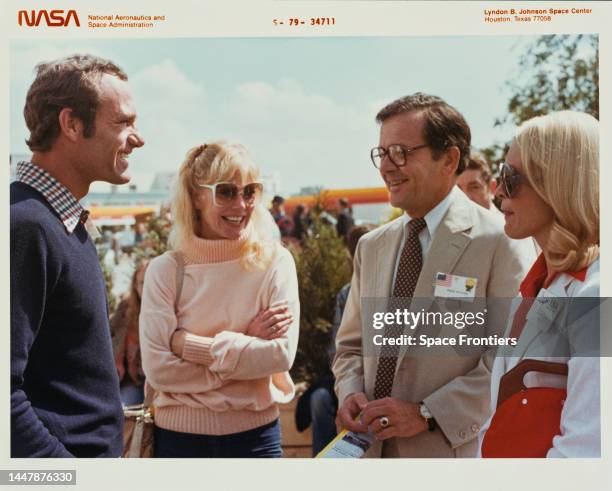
(555, 73)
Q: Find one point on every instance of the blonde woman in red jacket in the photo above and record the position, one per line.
(550, 191)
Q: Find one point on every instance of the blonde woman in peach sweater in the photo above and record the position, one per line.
(219, 363)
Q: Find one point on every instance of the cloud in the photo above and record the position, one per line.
(164, 84)
(289, 104)
(170, 107)
(307, 137)
(25, 56)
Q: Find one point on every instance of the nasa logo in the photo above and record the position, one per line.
(52, 18)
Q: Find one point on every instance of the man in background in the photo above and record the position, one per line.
(345, 219)
(282, 220)
(476, 182)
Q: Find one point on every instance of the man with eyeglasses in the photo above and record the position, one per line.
(423, 406)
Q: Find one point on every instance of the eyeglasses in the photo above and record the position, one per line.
(509, 179)
(225, 193)
(396, 152)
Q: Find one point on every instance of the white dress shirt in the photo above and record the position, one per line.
(433, 218)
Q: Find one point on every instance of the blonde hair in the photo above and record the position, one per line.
(217, 162)
(560, 155)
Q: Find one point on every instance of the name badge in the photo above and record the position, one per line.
(548, 306)
(455, 286)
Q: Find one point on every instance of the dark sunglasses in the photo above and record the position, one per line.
(509, 179)
(226, 192)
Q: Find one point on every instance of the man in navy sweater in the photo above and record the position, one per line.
(64, 387)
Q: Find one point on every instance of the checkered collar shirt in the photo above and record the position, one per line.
(70, 211)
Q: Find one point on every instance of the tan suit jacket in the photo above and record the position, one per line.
(470, 242)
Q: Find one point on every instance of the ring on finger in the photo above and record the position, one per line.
(273, 329)
(384, 421)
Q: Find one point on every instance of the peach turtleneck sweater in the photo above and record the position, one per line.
(226, 381)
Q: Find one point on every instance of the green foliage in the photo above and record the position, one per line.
(393, 214)
(155, 242)
(563, 74)
(494, 154)
(323, 268)
(556, 72)
(108, 282)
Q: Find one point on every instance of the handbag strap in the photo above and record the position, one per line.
(512, 382)
(149, 394)
(180, 276)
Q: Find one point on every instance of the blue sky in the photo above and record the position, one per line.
(304, 107)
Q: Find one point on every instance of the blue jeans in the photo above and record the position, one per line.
(131, 394)
(323, 414)
(262, 442)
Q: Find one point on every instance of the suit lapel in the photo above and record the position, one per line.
(446, 249)
(385, 256)
(535, 323)
(387, 250)
(449, 241)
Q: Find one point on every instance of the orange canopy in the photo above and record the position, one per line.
(120, 211)
(330, 197)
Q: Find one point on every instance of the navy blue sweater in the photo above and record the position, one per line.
(64, 387)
